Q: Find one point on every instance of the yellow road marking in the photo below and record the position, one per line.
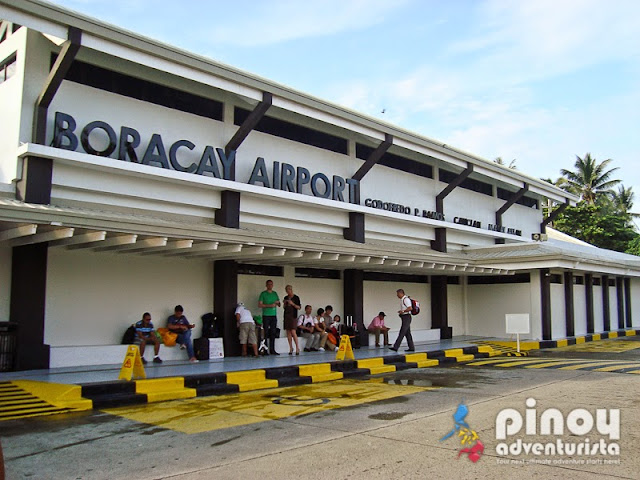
(213, 413)
(582, 365)
(530, 361)
(554, 362)
(614, 346)
(613, 368)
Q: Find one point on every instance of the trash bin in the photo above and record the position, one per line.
(8, 346)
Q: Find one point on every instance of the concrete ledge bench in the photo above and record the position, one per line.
(106, 355)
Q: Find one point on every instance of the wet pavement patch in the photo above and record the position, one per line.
(388, 415)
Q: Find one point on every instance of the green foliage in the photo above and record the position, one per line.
(599, 225)
(590, 179)
(633, 247)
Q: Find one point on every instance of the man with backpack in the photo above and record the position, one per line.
(406, 308)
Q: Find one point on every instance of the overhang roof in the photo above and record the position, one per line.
(78, 228)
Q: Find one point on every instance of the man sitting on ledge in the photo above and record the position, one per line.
(376, 326)
(146, 334)
(179, 324)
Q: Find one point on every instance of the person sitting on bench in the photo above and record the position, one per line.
(146, 333)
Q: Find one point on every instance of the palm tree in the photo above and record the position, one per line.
(623, 201)
(500, 161)
(590, 178)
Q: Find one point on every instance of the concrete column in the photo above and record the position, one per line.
(627, 302)
(620, 297)
(545, 302)
(225, 299)
(439, 307)
(588, 288)
(606, 309)
(353, 284)
(27, 309)
(569, 309)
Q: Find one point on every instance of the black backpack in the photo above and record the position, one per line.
(129, 336)
(209, 326)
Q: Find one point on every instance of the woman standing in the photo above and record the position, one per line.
(291, 304)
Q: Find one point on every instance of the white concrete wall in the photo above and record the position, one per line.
(598, 316)
(381, 296)
(10, 94)
(635, 302)
(103, 293)
(456, 309)
(5, 282)
(488, 305)
(317, 292)
(613, 307)
(580, 309)
(558, 320)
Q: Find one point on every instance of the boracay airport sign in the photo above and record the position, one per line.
(214, 161)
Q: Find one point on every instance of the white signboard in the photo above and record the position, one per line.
(517, 323)
(216, 348)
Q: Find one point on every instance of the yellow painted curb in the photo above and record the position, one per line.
(580, 340)
(57, 394)
(375, 365)
(162, 389)
(251, 380)
(246, 376)
(562, 343)
(596, 336)
(629, 333)
(613, 334)
(454, 352)
(314, 369)
(327, 377)
(428, 363)
(320, 372)
(415, 357)
(465, 358)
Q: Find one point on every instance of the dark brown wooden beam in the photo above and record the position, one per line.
(54, 80)
(374, 158)
(552, 216)
(225, 299)
(440, 243)
(620, 298)
(250, 123)
(507, 205)
(355, 232)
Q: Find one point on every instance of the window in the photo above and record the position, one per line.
(469, 183)
(266, 270)
(578, 280)
(115, 82)
(556, 278)
(8, 68)
(490, 279)
(395, 277)
(317, 273)
(504, 194)
(292, 131)
(596, 282)
(396, 161)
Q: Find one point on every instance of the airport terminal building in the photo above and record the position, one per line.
(135, 176)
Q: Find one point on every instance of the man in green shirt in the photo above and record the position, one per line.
(268, 302)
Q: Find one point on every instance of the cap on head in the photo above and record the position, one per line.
(382, 314)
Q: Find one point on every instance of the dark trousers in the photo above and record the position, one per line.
(405, 331)
(270, 323)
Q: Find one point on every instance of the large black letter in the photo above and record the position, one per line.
(227, 163)
(327, 185)
(338, 187)
(354, 194)
(303, 178)
(174, 160)
(84, 138)
(288, 174)
(129, 139)
(64, 127)
(259, 173)
(208, 163)
(161, 157)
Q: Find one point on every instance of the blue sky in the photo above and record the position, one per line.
(538, 81)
